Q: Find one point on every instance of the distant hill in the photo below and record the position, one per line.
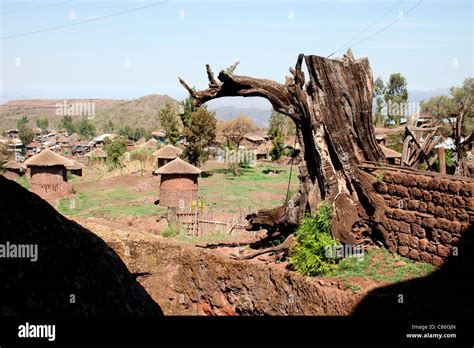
(142, 112)
(13, 110)
(418, 96)
(136, 112)
(260, 116)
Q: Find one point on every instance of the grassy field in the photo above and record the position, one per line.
(225, 193)
(109, 204)
(252, 190)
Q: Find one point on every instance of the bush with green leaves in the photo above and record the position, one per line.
(313, 238)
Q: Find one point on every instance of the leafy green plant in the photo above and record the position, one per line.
(379, 178)
(170, 232)
(313, 237)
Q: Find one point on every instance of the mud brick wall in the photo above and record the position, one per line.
(175, 188)
(426, 215)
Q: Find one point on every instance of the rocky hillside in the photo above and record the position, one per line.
(136, 112)
(75, 274)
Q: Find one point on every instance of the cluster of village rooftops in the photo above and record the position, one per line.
(49, 157)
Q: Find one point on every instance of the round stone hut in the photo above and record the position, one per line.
(178, 183)
(13, 170)
(96, 155)
(49, 175)
(166, 154)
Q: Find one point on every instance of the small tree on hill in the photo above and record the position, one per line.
(22, 122)
(68, 124)
(278, 146)
(115, 149)
(235, 129)
(396, 97)
(42, 123)
(85, 128)
(200, 134)
(25, 134)
(169, 121)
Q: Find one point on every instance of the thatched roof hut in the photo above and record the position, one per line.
(178, 183)
(150, 144)
(76, 168)
(166, 154)
(48, 158)
(13, 170)
(49, 175)
(96, 154)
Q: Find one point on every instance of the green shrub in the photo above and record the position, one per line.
(169, 232)
(313, 237)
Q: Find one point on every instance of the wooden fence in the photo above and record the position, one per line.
(200, 221)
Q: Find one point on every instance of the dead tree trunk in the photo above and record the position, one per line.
(332, 113)
(462, 146)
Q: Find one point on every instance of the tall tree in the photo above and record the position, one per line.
(186, 108)
(25, 134)
(278, 145)
(280, 122)
(109, 127)
(379, 91)
(42, 123)
(396, 97)
(115, 149)
(236, 128)
(200, 133)
(85, 128)
(22, 122)
(169, 121)
(68, 124)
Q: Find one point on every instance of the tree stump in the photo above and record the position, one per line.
(332, 112)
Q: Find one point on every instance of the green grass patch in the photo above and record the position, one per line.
(24, 181)
(111, 203)
(378, 265)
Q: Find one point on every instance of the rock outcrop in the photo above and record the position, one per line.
(76, 273)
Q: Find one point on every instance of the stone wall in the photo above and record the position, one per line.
(426, 213)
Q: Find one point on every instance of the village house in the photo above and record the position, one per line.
(33, 148)
(263, 150)
(80, 148)
(75, 168)
(152, 143)
(99, 141)
(252, 140)
(166, 154)
(178, 184)
(96, 155)
(15, 145)
(12, 133)
(49, 175)
(13, 170)
(73, 138)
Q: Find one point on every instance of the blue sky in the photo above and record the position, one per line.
(143, 52)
